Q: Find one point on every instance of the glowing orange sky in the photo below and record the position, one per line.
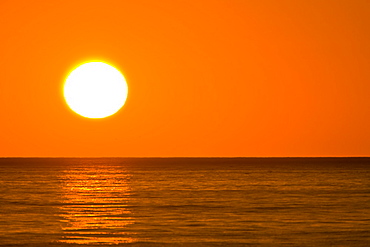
(206, 78)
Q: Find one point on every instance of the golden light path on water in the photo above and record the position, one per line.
(94, 207)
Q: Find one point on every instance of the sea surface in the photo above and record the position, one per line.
(185, 201)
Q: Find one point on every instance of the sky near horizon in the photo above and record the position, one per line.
(209, 78)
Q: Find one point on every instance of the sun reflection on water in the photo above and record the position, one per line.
(94, 208)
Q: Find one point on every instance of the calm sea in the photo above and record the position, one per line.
(185, 202)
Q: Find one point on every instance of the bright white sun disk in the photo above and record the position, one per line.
(95, 90)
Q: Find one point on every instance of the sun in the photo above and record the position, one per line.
(95, 90)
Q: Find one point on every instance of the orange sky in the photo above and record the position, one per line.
(206, 78)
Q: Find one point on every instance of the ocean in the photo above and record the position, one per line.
(185, 201)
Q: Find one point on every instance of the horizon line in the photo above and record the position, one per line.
(173, 157)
